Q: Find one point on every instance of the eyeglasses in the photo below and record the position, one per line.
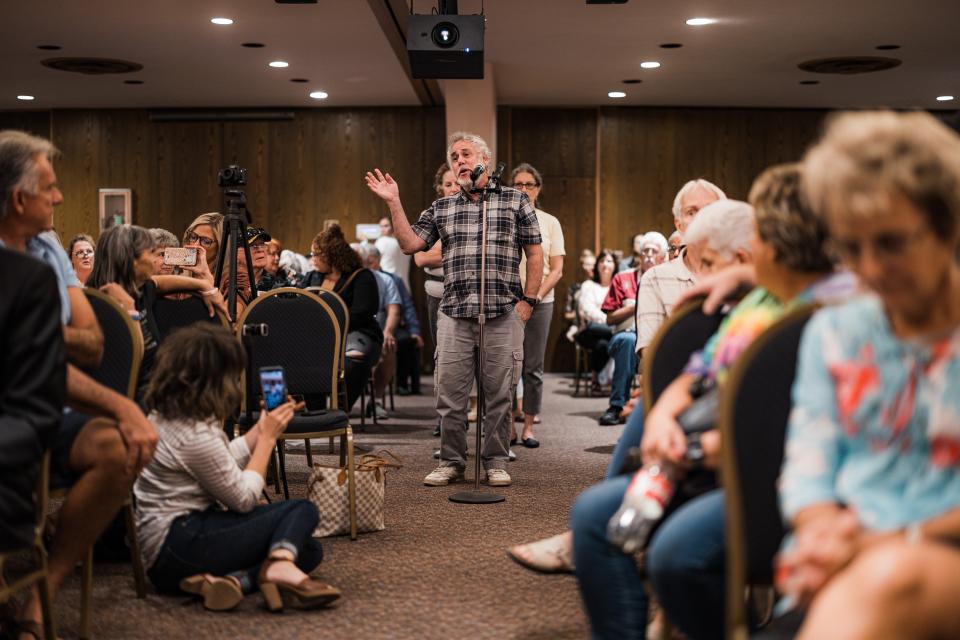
(83, 253)
(259, 246)
(884, 247)
(525, 185)
(315, 254)
(203, 241)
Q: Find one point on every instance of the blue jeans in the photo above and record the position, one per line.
(684, 564)
(631, 436)
(622, 349)
(226, 543)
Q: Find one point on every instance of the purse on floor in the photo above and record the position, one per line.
(327, 489)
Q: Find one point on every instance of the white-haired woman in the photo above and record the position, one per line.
(871, 476)
(653, 250)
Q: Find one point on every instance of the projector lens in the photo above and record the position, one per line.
(445, 35)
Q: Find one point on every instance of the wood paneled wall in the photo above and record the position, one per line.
(609, 173)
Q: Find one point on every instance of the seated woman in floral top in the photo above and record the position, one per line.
(871, 478)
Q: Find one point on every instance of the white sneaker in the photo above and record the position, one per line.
(498, 478)
(442, 476)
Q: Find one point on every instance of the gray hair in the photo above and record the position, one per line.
(117, 250)
(18, 168)
(692, 186)
(473, 139)
(655, 237)
(163, 239)
(726, 226)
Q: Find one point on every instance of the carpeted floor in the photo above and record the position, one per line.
(439, 570)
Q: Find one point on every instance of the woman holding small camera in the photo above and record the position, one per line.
(126, 267)
(190, 542)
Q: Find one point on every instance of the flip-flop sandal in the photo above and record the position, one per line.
(550, 555)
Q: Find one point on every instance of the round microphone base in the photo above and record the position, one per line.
(476, 497)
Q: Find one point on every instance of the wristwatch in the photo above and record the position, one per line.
(530, 301)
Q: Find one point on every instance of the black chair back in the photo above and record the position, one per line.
(122, 345)
(686, 330)
(170, 314)
(304, 338)
(754, 409)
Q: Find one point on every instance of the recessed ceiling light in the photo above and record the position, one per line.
(671, 45)
(279, 64)
(221, 21)
(939, 98)
(616, 94)
(699, 22)
(253, 45)
(650, 64)
(319, 95)
(25, 97)
(299, 80)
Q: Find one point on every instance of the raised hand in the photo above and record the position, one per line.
(383, 185)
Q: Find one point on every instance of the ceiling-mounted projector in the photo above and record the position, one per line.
(446, 46)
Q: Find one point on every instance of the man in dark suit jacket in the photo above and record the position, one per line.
(33, 384)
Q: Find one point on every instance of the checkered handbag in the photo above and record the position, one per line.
(327, 488)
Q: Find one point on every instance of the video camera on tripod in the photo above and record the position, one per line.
(235, 221)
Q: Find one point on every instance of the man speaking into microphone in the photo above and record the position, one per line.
(457, 222)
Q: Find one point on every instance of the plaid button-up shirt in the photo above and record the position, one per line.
(455, 222)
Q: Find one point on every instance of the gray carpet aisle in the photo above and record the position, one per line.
(438, 571)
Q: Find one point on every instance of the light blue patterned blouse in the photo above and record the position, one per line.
(876, 420)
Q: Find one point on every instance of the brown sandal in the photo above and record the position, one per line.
(219, 594)
(309, 594)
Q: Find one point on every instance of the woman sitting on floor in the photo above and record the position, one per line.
(189, 541)
(871, 478)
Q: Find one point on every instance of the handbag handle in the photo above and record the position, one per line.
(376, 462)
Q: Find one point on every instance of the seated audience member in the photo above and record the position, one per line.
(205, 232)
(339, 269)
(296, 266)
(127, 272)
(406, 334)
(787, 248)
(661, 286)
(280, 275)
(675, 243)
(392, 259)
(653, 250)
(32, 389)
(594, 332)
(81, 254)
(256, 239)
(633, 260)
(570, 310)
(162, 240)
(870, 480)
(201, 527)
(98, 458)
(388, 316)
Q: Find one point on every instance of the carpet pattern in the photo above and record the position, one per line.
(439, 570)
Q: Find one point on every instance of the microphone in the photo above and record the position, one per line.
(498, 172)
(477, 172)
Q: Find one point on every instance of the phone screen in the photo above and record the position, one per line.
(180, 256)
(274, 387)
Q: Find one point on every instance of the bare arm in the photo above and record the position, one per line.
(433, 258)
(384, 186)
(82, 337)
(534, 253)
(551, 279)
(390, 327)
(87, 395)
(621, 314)
(663, 439)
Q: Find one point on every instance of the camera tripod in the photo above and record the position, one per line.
(234, 228)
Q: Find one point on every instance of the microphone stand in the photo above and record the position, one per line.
(476, 496)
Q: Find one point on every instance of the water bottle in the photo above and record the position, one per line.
(643, 504)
